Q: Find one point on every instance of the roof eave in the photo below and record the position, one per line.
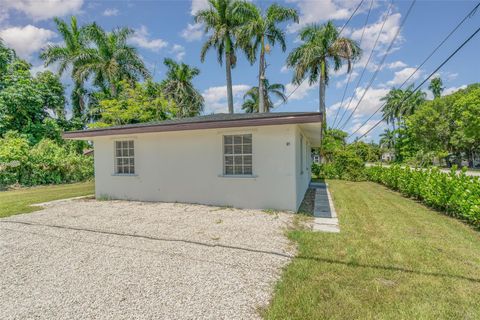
(252, 122)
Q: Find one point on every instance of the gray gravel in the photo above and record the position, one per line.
(133, 260)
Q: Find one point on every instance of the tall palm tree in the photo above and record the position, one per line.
(68, 55)
(322, 46)
(111, 60)
(436, 86)
(223, 19)
(387, 139)
(401, 103)
(251, 98)
(178, 87)
(263, 29)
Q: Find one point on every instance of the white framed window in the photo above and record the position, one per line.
(124, 157)
(237, 155)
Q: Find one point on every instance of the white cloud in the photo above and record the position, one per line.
(284, 69)
(216, 98)
(141, 39)
(369, 104)
(110, 12)
(42, 10)
(301, 92)
(396, 65)
(198, 5)
(192, 32)
(178, 51)
(402, 75)
(343, 82)
(451, 90)
(26, 40)
(321, 11)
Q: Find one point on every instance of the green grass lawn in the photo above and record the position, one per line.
(393, 259)
(19, 201)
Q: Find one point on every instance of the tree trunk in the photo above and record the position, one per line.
(228, 67)
(261, 78)
(322, 94)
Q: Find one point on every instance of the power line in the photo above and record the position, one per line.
(366, 64)
(381, 63)
(426, 79)
(341, 30)
(350, 73)
(467, 16)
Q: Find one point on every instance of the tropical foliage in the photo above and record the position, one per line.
(455, 194)
(252, 100)
(259, 34)
(436, 86)
(222, 21)
(322, 48)
(179, 88)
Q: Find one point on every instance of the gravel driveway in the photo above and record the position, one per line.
(134, 260)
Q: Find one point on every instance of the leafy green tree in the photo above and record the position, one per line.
(68, 56)
(436, 86)
(111, 60)
(321, 48)
(251, 98)
(25, 101)
(142, 102)
(7, 56)
(179, 88)
(259, 34)
(222, 21)
(334, 139)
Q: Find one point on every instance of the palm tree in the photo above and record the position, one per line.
(387, 139)
(436, 86)
(401, 103)
(111, 60)
(178, 87)
(251, 99)
(322, 46)
(223, 19)
(263, 29)
(68, 55)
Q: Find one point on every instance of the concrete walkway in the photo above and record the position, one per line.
(324, 212)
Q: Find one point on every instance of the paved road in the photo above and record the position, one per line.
(468, 173)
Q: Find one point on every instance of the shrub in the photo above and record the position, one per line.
(45, 163)
(316, 169)
(347, 165)
(458, 195)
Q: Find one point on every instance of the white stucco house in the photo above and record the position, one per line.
(242, 160)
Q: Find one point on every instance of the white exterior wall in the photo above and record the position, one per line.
(303, 165)
(187, 166)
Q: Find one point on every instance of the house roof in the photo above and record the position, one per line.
(214, 121)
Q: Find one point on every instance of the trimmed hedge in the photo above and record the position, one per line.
(456, 194)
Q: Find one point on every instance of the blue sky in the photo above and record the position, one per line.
(166, 29)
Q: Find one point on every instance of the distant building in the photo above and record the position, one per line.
(388, 156)
(315, 158)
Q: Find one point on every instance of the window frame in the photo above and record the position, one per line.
(129, 157)
(234, 155)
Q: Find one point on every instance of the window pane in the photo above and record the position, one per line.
(238, 170)
(247, 138)
(228, 149)
(229, 160)
(120, 169)
(247, 170)
(130, 144)
(132, 169)
(118, 144)
(247, 160)
(238, 160)
(228, 139)
(237, 149)
(132, 153)
(247, 148)
(228, 170)
(124, 144)
(237, 139)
